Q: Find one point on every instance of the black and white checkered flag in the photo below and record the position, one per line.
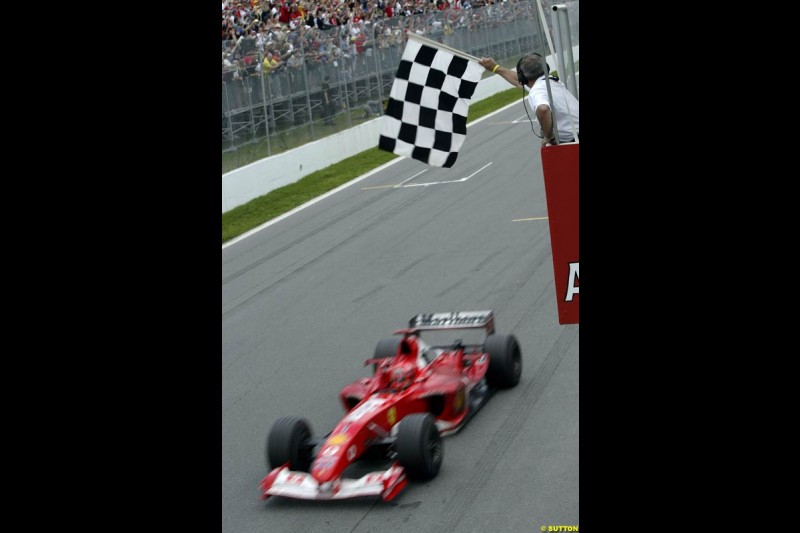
(426, 116)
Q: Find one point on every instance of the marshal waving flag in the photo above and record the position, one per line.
(426, 116)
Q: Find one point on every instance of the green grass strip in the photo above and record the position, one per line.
(275, 203)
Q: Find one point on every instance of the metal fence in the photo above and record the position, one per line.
(278, 107)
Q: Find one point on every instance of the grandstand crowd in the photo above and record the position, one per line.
(260, 36)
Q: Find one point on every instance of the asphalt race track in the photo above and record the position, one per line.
(306, 299)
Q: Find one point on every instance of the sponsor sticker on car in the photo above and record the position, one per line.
(451, 320)
(373, 404)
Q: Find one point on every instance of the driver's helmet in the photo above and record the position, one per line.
(402, 376)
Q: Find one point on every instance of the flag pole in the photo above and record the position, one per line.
(543, 27)
(436, 44)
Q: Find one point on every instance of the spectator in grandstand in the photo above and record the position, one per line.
(287, 51)
(321, 19)
(283, 14)
(295, 61)
(250, 62)
(261, 37)
(270, 66)
(294, 15)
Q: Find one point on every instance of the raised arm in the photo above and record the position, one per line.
(507, 74)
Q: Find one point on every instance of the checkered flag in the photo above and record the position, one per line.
(426, 116)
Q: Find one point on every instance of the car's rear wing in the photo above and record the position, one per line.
(454, 320)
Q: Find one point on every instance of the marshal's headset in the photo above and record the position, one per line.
(523, 79)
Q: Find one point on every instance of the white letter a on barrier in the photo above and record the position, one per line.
(572, 284)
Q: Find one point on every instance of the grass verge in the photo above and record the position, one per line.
(264, 208)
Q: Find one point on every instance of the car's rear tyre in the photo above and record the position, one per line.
(288, 442)
(419, 446)
(386, 348)
(505, 361)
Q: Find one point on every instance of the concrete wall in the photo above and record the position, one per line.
(257, 179)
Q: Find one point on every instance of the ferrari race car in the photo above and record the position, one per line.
(394, 422)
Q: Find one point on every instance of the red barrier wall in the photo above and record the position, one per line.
(560, 166)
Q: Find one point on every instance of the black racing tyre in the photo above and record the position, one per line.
(419, 446)
(505, 361)
(386, 348)
(288, 442)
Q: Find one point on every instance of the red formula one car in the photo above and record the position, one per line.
(396, 418)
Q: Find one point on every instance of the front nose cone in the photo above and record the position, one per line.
(323, 474)
(329, 463)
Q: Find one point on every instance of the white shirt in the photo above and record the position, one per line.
(566, 106)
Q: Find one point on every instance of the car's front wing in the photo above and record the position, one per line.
(293, 484)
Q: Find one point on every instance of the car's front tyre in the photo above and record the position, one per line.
(419, 446)
(288, 442)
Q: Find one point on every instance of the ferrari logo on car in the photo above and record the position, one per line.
(391, 416)
(337, 439)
